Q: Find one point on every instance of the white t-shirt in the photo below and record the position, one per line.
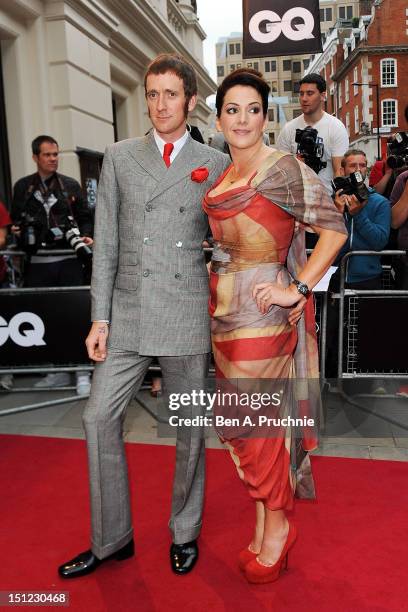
(335, 140)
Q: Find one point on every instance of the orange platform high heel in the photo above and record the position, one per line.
(257, 573)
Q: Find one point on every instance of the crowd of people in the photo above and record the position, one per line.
(157, 197)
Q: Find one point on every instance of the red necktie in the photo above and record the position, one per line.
(168, 148)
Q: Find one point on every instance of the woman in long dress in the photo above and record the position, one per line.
(263, 330)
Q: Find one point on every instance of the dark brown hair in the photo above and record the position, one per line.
(314, 78)
(37, 142)
(170, 62)
(248, 78)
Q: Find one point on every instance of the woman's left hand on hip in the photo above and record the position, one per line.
(274, 294)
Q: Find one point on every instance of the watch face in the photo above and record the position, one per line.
(302, 288)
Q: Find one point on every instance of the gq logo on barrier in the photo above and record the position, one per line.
(275, 25)
(26, 338)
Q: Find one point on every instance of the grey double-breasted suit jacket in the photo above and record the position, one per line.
(149, 276)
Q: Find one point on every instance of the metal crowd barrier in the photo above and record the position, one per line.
(321, 306)
(47, 369)
(352, 369)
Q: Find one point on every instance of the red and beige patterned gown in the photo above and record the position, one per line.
(258, 232)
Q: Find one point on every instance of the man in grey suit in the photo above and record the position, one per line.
(149, 299)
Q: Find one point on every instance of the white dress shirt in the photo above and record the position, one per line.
(178, 144)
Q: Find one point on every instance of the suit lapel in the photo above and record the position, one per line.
(149, 158)
(190, 157)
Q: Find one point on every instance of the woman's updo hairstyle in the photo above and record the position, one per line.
(247, 77)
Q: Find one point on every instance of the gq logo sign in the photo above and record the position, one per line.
(293, 27)
(28, 337)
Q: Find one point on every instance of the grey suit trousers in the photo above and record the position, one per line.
(115, 382)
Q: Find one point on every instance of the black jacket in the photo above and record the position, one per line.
(70, 202)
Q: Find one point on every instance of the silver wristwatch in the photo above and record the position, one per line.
(301, 287)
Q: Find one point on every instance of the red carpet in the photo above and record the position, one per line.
(351, 554)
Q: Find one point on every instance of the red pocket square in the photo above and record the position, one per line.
(199, 175)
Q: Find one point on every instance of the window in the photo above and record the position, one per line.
(340, 96)
(297, 112)
(270, 66)
(235, 48)
(348, 123)
(326, 14)
(271, 138)
(271, 114)
(232, 67)
(306, 63)
(296, 66)
(389, 113)
(249, 64)
(256, 65)
(345, 12)
(355, 79)
(220, 71)
(274, 86)
(287, 64)
(296, 87)
(346, 91)
(238, 65)
(356, 120)
(287, 85)
(388, 72)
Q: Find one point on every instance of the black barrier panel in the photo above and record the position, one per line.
(44, 328)
(382, 334)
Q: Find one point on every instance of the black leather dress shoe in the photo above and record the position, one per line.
(87, 562)
(183, 557)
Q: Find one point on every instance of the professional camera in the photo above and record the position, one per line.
(72, 235)
(398, 151)
(311, 147)
(29, 239)
(351, 185)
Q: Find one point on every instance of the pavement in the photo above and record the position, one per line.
(376, 428)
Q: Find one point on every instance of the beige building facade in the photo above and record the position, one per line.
(74, 69)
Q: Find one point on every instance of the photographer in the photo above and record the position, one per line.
(399, 221)
(49, 212)
(330, 130)
(384, 173)
(367, 216)
(45, 206)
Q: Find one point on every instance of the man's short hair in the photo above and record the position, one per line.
(315, 78)
(37, 142)
(351, 152)
(171, 62)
